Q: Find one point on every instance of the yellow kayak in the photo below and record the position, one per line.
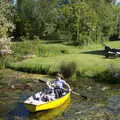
(34, 105)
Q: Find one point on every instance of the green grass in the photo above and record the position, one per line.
(39, 48)
(88, 59)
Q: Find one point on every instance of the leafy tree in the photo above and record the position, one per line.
(116, 32)
(87, 21)
(6, 18)
(81, 21)
(35, 17)
(6, 27)
(106, 18)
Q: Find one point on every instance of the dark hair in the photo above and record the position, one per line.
(59, 74)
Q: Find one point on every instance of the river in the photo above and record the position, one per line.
(102, 103)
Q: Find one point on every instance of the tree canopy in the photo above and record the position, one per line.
(80, 21)
(6, 18)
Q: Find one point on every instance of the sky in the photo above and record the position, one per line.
(14, 1)
(118, 1)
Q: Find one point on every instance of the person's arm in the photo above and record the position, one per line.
(66, 84)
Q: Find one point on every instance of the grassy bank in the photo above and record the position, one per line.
(50, 56)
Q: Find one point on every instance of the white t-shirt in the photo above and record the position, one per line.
(60, 83)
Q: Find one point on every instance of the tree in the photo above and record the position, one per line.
(82, 21)
(6, 25)
(106, 18)
(79, 20)
(116, 33)
(6, 18)
(34, 17)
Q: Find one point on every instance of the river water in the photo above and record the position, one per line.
(102, 103)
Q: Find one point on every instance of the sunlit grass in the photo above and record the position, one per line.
(87, 59)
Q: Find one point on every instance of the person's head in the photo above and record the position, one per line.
(59, 75)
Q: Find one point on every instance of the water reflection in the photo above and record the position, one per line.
(21, 113)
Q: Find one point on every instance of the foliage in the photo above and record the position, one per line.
(37, 48)
(34, 18)
(117, 19)
(4, 61)
(4, 43)
(89, 59)
(53, 50)
(6, 18)
(68, 69)
(31, 68)
(7, 13)
(82, 22)
(111, 75)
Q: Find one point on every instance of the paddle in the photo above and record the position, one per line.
(75, 93)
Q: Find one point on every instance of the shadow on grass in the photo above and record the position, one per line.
(99, 52)
(95, 52)
(53, 41)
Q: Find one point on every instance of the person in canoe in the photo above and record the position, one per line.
(48, 92)
(59, 85)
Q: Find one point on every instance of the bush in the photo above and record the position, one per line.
(110, 76)
(4, 60)
(68, 69)
(7, 13)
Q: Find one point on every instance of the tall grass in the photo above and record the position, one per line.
(25, 47)
(2, 63)
(4, 60)
(34, 68)
(38, 48)
(53, 50)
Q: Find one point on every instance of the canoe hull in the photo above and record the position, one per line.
(48, 105)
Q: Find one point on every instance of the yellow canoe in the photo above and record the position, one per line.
(52, 114)
(34, 106)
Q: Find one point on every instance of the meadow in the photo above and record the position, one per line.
(50, 56)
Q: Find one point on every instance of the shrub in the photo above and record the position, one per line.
(110, 76)
(4, 60)
(7, 13)
(68, 69)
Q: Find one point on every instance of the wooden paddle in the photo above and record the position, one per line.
(75, 93)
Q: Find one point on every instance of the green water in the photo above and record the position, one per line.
(100, 104)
